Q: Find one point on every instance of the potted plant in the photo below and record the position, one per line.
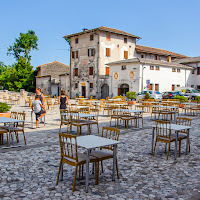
(198, 100)
(4, 108)
(182, 99)
(132, 96)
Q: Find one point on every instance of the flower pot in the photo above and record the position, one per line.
(131, 102)
(182, 105)
(5, 115)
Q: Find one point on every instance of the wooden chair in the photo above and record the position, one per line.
(77, 122)
(116, 115)
(65, 118)
(183, 134)
(2, 132)
(163, 134)
(94, 120)
(155, 111)
(110, 133)
(71, 156)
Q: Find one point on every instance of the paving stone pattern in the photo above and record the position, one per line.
(30, 172)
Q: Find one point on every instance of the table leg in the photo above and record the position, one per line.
(87, 170)
(187, 142)
(9, 136)
(152, 141)
(176, 144)
(61, 172)
(114, 161)
(31, 119)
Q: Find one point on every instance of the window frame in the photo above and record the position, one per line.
(107, 37)
(76, 40)
(91, 84)
(173, 69)
(125, 40)
(151, 67)
(91, 71)
(178, 70)
(91, 37)
(157, 68)
(123, 67)
(76, 71)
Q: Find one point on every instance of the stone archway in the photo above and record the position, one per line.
(104, 91)
(123, 89)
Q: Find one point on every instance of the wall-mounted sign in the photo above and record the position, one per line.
(148, 86)
(147, 81)
(131, 75)
(116, 75)
(83, 84)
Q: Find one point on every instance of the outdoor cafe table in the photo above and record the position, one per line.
(31, 111)
(131, 111)
(90, 142)
(9, 121)
(176, 128)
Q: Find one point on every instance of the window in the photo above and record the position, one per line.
(91, 85)
(126, 54)
(169, 59)
(156, 87)
(74, 54)
(107, 71)
(107, 37)
(173, 70)
(150, 87)
(193, 86)
(125, 40)
(178, 70)
(177, 85)
(157, 57)
(157, 68)
(76, 85)
(76, 40)
(91, 37)
(91, 52)
(151, 67)
(173, 87)
(107, 52)
(76, 71)
(91, 70)
(142, 56)
(192, 71)
(123, 67)
(198, 70)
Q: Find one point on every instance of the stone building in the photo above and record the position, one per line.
(52, 77)
(90, 51)
(106, 62)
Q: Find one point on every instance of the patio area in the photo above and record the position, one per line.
(30, 172)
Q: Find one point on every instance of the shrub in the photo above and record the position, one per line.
(147, 96)
(182, 98)
(131, 95)
(197, 98)
(4, 107)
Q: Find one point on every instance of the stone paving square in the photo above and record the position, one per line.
(30, 172)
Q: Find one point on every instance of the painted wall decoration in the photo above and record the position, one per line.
(116, 75)
(131, 75)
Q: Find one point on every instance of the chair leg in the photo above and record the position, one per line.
(74, 179)
(77, 131)
(96, 173)
(17, 137)
(98, 127)
(168, 151)
(7, 139)
(154, 147)
(59, 171)
(165, 147)
(24, 138)
(102, 166)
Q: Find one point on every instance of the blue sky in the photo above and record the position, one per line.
(171, 25)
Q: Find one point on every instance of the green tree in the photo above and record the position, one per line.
(21, 73)
(23, 45)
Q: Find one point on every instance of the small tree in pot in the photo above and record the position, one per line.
(132, 96)
(4, 108)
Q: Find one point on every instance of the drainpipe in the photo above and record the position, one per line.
(97, 92)
(185, 77)
(70, 71)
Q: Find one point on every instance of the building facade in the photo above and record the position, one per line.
(50, 78)
(108, 62)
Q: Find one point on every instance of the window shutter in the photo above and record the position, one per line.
(77, 54)
(72, 54)
(126, 54)
(94, 52)
(88, 52)
(107, 71)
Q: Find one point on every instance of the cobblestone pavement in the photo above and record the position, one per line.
(30, 172)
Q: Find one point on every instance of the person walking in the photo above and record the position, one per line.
(63, 100)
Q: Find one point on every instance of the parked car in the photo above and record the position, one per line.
(191, 92)
(153, 94)
(170, 94)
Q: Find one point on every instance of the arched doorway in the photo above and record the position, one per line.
(104, 91)
(123, 89)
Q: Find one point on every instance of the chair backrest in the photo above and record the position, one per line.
(163, 129)
(21, 116)
(183, 121)
(110, 133)
(74, 116)
(13, 115)
(64, 115)
(84, 110)
(68, 146)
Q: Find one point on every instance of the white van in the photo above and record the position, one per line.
(188, 91)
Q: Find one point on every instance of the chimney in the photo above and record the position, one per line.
(85, 29)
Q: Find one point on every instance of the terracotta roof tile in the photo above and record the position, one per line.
(52, 63)
(103, 28)
(156, 51)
